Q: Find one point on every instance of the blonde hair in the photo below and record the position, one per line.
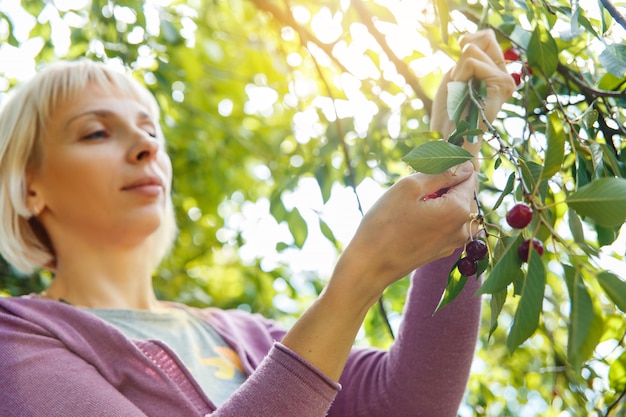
(23, 117)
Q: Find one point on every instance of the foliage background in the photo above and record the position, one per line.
(264, 101)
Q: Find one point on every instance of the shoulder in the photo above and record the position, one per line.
(37, 323)
(39, 311)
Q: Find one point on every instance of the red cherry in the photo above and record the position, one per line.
(476, 250)
(528, 69)
(437, 193)
(517, 77)
(467, 267)
(523, 250)
(519, 216)
(511, 54)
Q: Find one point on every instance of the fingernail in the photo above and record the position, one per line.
(466, 167)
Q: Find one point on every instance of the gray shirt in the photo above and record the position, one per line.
(214, 364)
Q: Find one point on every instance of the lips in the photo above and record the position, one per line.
(149, 184)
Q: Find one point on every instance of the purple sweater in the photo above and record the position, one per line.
(57, 360)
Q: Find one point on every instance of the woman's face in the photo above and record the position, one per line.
(104, 175)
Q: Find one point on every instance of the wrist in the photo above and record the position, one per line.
(354, 284)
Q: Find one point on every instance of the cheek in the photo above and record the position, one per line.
(74, 176)
(166, 167)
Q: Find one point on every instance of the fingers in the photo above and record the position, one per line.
(432, 186)
(475, 62)
(458, 203)
(457, 174)
(482, 59)
(486, 41)
(452, 193)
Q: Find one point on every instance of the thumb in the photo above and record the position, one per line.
(437, 185)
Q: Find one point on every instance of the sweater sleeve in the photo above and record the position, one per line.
(284, 385)
(425, 372)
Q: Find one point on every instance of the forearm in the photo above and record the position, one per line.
(402, 231)
(325, 333)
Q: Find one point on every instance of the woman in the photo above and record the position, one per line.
(84, 191)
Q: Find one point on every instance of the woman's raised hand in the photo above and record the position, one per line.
(406, 228)
(481, 59)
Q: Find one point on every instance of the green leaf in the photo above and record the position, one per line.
(324, 179)
(610, 161)
(297, 227)
(530, 305)
(497, 163)
(596, 157)
(574, 30)
(277, 208)
(614, 287)
(506, 191)
(455, 285)
(585, 325)
(496, 303)
(473, 113)
(606, 235)
(458, 96)
(435, 157)
(170, 32)
(603, 200)
(617, 374)
(443, 13)
(281, 246)
(531, 173)
(328, 233)
(584, 22)
(556, 147)
(542, 52)
(506, 270)
(613, 58)
(576, 227)
(463, 129)
(582, 176)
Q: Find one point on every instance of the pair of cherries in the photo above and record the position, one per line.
(518, 217)
(513, 55)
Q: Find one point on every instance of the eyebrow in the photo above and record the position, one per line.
(141, 116)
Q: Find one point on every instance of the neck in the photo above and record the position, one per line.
(120, 279)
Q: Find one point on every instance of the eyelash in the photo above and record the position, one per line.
(99, 134)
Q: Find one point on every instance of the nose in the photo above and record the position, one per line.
(145, 148)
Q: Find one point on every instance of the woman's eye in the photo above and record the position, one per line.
(98, 134)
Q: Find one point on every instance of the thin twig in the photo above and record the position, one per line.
(351, 180)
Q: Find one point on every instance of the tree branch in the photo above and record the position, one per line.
(619, 18)
(285, 18)
(401, 66)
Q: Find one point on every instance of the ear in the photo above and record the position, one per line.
(34, 196)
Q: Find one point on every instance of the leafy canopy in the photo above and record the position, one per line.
(261, 97)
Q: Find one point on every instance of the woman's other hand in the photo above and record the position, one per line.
(481, 59)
